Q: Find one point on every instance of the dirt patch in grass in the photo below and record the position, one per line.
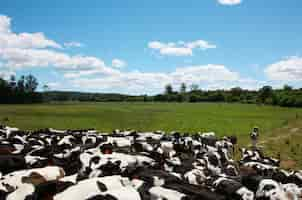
(293, 130)
(285, 141)
(288, 164)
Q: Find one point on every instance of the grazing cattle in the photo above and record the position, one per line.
(292, 191)
(33, 176)
(296, 178)
(23, 192)
(194, 192)
(86, 165)
(11, 163)
(196, 176)
(164, 193)
(256, 155)
(208, 139)
(232, 189)
(270, 189)
(6, 147)
(97, 187)
(49, 189)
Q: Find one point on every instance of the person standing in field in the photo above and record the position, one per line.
(254, 137)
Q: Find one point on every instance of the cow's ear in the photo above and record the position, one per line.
(118, 162)
(101, 186)
(33, 178)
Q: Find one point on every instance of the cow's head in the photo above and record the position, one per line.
(270, 189)
(245, 194)
(292, 191)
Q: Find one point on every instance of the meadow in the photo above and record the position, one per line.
(281, 128)
(186, 117)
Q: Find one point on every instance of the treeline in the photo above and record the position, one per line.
(287, 96)
(22, 90)
(82, 96)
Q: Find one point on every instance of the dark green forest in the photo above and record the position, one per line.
(24, 90)
(20, 91)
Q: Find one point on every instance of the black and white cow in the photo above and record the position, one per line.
(85, 165)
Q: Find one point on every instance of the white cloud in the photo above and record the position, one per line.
(245, 83)
(117, 63)
(180, 48)
(4, 24)
(8, 39)
(200, 44)
(26, 41)
(60, 86)
(73, 44)
(53, 85)
(138, 82)
(289, 69)
(6, 73)
(230, 2)
(156, 45)
(33, 50)
(80, 73)
(176, 51)
(207, 73)
(20, 58)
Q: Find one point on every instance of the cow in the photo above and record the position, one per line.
(33, 176)
(270, 189)
(98, 187)
(86, 165)
(11, 163)
(232, 189)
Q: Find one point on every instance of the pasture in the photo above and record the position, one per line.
(218, 117)
(281, 128)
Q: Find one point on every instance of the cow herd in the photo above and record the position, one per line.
(129, 165)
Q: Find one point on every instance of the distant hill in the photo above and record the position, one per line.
(86, 96)
(23, 91)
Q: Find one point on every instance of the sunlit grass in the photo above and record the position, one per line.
(221, 118)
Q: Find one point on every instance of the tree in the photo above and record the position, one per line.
(236, 91)
(19, 91)
(287, 88)
(31, 83)
(21, 84)
(145, 98)
(45, 94)
(194, 87)
(193, 98)
(183, 96)
(183, 88)
(5, 91)
(264, 93)
(46, 88)
(12, 81)
(168, 89)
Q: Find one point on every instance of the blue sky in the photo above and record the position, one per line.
(137, 47)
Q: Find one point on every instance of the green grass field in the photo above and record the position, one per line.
(221, 118)
(281, 128)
